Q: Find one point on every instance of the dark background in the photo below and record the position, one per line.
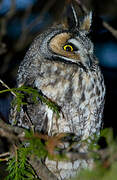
(22, 20)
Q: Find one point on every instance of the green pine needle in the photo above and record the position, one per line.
(18, 166)
(19, 100)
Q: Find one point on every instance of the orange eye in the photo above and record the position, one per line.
(68, 48)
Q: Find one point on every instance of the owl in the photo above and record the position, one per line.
(62, 66)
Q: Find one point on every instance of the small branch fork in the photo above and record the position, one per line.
(5, 85)
(4, 156)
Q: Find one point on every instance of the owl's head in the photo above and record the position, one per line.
(67, 43)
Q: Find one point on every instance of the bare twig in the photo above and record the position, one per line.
(41, 170)
(5, 154)
(110, 29)
(10, 132)
(4, 159)
(5, 85)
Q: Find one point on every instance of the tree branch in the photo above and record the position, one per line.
(110, 29)
(41, 170)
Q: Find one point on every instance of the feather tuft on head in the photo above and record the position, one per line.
(86, 24)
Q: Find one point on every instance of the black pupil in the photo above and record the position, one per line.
(68, 48)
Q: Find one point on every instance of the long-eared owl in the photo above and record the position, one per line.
(61, 65)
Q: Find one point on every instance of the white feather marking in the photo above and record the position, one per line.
(75, 15)
(50, 121)
(68, 59)
(90, 16)
(75, 42)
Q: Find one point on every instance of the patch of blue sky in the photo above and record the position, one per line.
(20, 5)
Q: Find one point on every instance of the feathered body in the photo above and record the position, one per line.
(71, 79)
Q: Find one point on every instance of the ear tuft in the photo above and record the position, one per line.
(86, 24)
(72, 15)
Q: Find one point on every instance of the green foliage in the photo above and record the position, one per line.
(105, 163)
(35, 146)
(107, 133)
(99, 173)
(22, 91)
(18, 166)
(105, 160)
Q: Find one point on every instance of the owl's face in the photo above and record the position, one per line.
(71, 47)
(66, 45)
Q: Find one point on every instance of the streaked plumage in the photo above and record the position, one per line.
(72, 79)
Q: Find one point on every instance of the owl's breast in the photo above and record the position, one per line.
(79, 94)
(57, 82)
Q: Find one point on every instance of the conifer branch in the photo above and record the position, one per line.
(19, 97)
